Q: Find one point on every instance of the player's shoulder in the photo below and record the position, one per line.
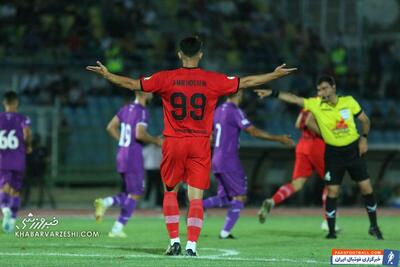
(347, 98)
(160, 73)
(314, 100)
(229, 107)
(215, 74)
(169, 72)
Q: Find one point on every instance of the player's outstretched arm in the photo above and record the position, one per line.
(258, 133)
(257, 80)
(144, 136)
(119, 80)
(113, 128)
(284, 96)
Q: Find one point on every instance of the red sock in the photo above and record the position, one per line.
(195, 219)
(324, 195)
(171, 214)
(284, 192)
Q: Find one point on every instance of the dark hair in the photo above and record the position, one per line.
(326, 78)
(10, 97)
(190, 46)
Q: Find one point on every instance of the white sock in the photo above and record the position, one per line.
(273, 202)
(5, 209)
(191, 245)
(108, 202)
(224, 234)
(117, 227)
(175, 240)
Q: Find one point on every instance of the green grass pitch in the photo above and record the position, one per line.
(281, 241)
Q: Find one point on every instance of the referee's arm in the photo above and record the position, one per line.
(284, 96)
(365, 126)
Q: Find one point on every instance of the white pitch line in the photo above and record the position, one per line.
(224, 252)
(133, 256)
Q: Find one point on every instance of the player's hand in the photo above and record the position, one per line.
(286, 140)
(159, 141)
(282, 71)
(362, 146)
(100, 69)
(263, 92)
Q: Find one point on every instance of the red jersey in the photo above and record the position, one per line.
(308, 140)
(189, 97)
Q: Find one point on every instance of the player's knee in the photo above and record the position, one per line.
(333, 191)
(242, 199)
(13, 192)
(5, 188)
(171, 188)
(133, 196)
(298, 184)
(366, 188)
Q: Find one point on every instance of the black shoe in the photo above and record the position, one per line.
(228, 237)
(375, 232)
(174, 250)
(190, 253)
(331, 236)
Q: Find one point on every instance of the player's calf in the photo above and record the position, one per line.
(194, 223)
(231, 218)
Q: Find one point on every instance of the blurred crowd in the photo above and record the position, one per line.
(140, 37)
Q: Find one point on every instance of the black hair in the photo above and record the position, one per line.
(10, 97)
(190, 46)
(326, 78)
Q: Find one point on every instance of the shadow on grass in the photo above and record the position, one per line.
(94, 248)
(290, 233)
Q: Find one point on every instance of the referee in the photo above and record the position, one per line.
(345, 148)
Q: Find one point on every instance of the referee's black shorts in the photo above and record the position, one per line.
(338, 160)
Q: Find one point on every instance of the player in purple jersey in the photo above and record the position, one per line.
(15, 142)
(229, 120)
(128, 127)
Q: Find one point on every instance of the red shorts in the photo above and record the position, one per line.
(188, 160)
(309, 158)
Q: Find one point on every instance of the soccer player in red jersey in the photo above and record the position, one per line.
(189, 96)
(309, 157)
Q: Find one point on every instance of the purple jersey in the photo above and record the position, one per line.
(12, 144)
(130, 157)
(229, 120)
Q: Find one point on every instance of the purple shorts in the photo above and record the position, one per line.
(13, 178)
(133, 183)
(231, 184)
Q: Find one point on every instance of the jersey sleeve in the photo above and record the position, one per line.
(241, 120)
(226, 85)
(355, 107)
(154, 83)
(144, 117)
(120, 113)
(26, 122)
(311, 104)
